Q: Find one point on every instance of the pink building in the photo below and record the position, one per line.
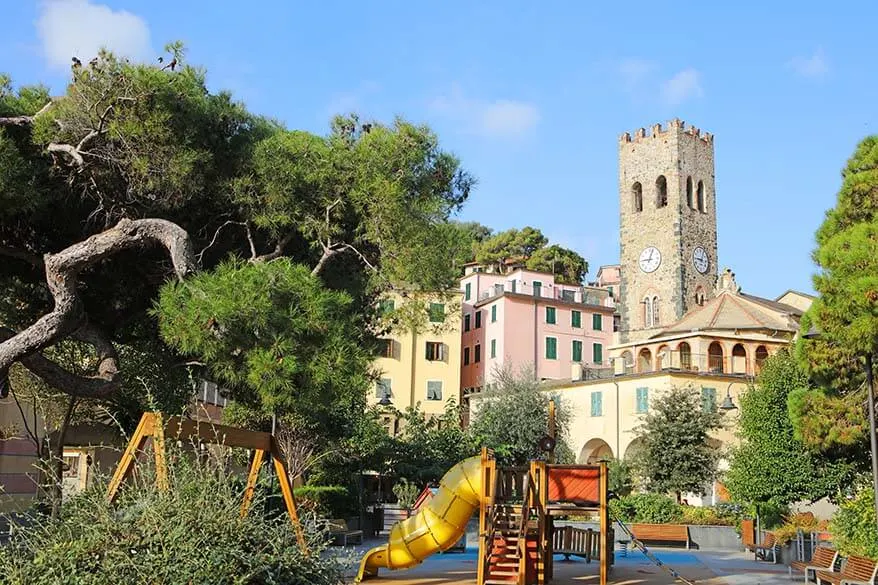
(516, 316)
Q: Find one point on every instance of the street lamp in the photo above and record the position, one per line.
(728, 403)
(814, 333)
(385, 400)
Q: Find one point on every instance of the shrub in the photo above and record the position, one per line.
(709, 516)
(853, 525)
(328, 501)
(406, 493)
(192, 533)
(646, 508)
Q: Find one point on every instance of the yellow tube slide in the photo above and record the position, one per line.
(438, 525)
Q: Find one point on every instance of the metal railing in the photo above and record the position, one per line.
(691, 362)
(555, 292)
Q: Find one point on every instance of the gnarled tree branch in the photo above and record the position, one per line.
(24, 120)
(62, 276)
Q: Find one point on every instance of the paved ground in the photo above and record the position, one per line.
(702, 567)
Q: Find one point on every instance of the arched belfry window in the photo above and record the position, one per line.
(689, 192)
(700, 196)
(647, 312)
(637, 195)
(699, 296)
(655, 312)
(661, 191)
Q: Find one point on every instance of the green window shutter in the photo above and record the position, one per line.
(597, 322)
(478, 354)
(577, 350)
(437, 313)
(493, 313)
(597, 403)
(597, 351)
(576, 318)
(550, 315)
(551, 348)
(478, 319)
(468, 291)
(708, 399)
(466, 321)
(434, 390)
(493, 348)
(610, 288)
(642, 400)
(385, 306)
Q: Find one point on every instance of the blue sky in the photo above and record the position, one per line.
(533, 96)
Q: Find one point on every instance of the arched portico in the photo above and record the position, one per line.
(595, 451)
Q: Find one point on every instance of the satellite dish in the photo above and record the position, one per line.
(547, 444)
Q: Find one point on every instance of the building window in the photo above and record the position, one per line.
(437, 313)
(477, 354)
(466, 322)
(655, 312)
(708, 399)
(577, 350)
(642, 400)
(478, 319)
(647, 312)
(550, 315)
(699, 296)
(575, 319)
(467, 291)
(385, 307)
(434, 390)
(597, 352)
(383, 388)
(610, 290)
(685, 356)
(493, 348)
(386, 346)
(537, 288)
(435, 351)
(466, 356)
(700, 196)
(689, 192)
(568, 295)
(551, 348)
(637, 194)
(597, 403)
(597, 321)
(493, 313)
(661, 191)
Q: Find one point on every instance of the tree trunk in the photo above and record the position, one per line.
(57, 464)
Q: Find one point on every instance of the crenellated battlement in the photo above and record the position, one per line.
(656, 131)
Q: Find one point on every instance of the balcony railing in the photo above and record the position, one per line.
(647, 361)
(557, 292)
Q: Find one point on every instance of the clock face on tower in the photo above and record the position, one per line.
(700, 260)
(650, 259)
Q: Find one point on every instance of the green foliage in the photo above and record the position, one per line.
(853, 526)
(771, 464)
(513, 417)
(273, 333)
(646, 508)
(531, 246)
(710, 515)
(193, 533)
(675, 455)
(826, 422)
(621, 480)
(328, 501)
(406, 493)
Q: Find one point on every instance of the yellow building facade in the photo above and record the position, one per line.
(420, 362)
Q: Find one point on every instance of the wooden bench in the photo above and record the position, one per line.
(571, 541)
(768, 547)
(661, 533)
(338, 529)
(824, 559)
(855, 571)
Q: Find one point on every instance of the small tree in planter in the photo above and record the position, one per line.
(406, 493)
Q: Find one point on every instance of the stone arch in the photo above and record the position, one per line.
(647, 312)
(739, 359)
(663, 357)
(760, 356)
(633, 448)
(685, 355)
(628, 361)
(699, 295)
(637, 196)
(715, 357)
(689, 192)
(655, 311)
(595, 451)
(661, 191)
(700, 196)
(644, 360)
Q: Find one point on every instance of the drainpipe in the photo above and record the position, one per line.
(536, 340)
(618, 422)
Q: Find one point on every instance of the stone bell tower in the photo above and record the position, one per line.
(667, 202)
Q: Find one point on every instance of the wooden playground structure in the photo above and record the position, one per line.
(518, 538)
(154, 426)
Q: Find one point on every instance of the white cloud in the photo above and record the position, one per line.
(501, 118)
(79, 28)
(681, 87)
(813, 67)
